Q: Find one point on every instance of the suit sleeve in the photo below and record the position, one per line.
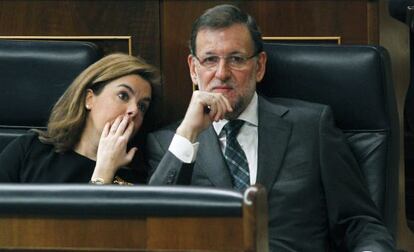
(354, 220)
(165, 168)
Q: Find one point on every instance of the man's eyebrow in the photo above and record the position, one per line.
(231, 53)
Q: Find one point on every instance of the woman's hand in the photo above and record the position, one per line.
(112, 150)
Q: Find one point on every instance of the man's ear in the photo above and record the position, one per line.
(191, 66)
(261, 66)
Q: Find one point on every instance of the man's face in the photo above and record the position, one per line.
(225, 63)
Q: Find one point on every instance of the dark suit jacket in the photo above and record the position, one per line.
(316, 193)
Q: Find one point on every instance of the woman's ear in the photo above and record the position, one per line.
(89, 99)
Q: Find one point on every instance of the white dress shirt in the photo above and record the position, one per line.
(184, 150)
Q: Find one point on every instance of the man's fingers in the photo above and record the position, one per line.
(223, 108)
(227, 103)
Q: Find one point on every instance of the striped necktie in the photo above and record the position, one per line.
(235, 156)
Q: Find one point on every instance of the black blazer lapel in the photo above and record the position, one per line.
(274, 134)
(210, 160)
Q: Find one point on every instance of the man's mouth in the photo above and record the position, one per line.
(221, 89)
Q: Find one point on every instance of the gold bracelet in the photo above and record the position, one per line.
(97, 181)
(119, 181)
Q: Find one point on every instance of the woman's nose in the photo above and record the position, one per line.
(132, 110)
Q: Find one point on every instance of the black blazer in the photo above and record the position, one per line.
(316, 193)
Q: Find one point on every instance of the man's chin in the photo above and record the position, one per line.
(238, 108)
(231, 115)
(234, 114)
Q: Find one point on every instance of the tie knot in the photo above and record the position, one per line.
(231, 129)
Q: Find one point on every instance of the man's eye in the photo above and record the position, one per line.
(211, 60)
(237, 59)
(123, 96)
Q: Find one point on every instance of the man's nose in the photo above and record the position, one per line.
(222, 70)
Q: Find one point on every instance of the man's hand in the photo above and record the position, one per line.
(198, 117)
(112, 150)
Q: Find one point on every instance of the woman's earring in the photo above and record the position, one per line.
(87, 106)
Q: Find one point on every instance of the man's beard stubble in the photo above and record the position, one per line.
(238, 108)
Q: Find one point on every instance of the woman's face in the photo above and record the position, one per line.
(128, 95)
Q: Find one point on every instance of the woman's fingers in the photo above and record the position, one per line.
(130, 155)
(105, 130)
(120, 124)
(115, 125)
(123, 125)
(128, 131)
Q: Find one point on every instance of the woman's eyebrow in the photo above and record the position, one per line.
(146, 99)
(127, 87)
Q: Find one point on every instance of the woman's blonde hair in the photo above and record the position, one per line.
(68, 117)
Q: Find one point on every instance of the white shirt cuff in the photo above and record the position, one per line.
(183, 149)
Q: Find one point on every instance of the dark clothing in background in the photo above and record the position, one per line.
(28, 160)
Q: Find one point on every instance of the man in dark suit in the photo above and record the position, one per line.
(316, 194)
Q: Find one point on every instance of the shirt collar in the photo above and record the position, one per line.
(249, 115)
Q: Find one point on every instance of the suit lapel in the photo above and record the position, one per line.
(274, 133)
(210, 160)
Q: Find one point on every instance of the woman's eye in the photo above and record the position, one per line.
(143, 107)
(123, 96)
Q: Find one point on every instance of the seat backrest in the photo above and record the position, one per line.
(356, 82)
(34, 74)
